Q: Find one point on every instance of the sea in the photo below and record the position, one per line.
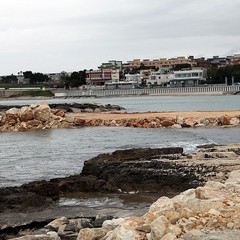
(46, 154)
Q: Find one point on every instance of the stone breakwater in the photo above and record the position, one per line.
(41, 116)
(176, 121)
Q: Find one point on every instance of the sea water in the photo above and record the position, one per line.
(46, 154)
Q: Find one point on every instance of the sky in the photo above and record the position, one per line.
(51, 36)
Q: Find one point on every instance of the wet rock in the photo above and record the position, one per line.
(28, 196)
(48, 236)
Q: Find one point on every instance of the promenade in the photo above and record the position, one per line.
(200, 90)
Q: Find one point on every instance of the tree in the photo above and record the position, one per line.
(9, 79)
(27, 74)
(65, 79)
(35, 78)
(77, 79)
(74, 79)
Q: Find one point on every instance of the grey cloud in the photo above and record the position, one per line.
(70, 34)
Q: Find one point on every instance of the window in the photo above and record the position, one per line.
(195, 74)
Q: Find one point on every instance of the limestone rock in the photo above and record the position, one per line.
(234, 121)
(26, 114)
(167, 123)
(159, 228)
(112, 224)
(91, 234)
(42, 112)
(55, 224)
(224, 120)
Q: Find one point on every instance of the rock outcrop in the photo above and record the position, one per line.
(208, 212)
(166, 170)
(194, 214)
(153, 170)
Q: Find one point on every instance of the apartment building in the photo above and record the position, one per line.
(112, 64)
(160, 63)
(181, 78)
(235, 59)
(99, 77)
(219, 61)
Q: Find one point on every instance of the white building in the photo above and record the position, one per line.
(185, 77)
(189, 77)
(133, 78)
(159, 78)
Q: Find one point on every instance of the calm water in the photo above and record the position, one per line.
(156, 103)
(45, 154)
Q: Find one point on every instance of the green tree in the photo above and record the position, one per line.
(35, 78)
(65, 79)
(27, 74)
(9, 79)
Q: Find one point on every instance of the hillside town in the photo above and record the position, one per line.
(174, 72)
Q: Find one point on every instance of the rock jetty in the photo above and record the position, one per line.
(44, 116)
(41, 116)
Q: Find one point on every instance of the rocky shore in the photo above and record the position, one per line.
(41, 116)
(198, 211)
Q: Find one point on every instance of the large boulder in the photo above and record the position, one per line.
(41, 111)
(26, 114)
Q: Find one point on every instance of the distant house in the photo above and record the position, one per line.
(112, 64)
(185, 77)
(189, 77)
(98, 77)
(235, 59)
(219, 61)
(160, 78)
(133, 78)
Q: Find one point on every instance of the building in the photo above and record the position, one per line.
(133, 78)
(182, 78)
(98, 77)
(219, 61)
(112, 64)
(235, 59)
(160, 78)
(188, 77)
(160, 63)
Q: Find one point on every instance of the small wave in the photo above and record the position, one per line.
(90, 202)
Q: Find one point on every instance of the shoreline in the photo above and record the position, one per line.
(211, 165)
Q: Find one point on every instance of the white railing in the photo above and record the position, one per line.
(153, 91)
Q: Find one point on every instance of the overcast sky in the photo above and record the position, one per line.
(71, 35)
